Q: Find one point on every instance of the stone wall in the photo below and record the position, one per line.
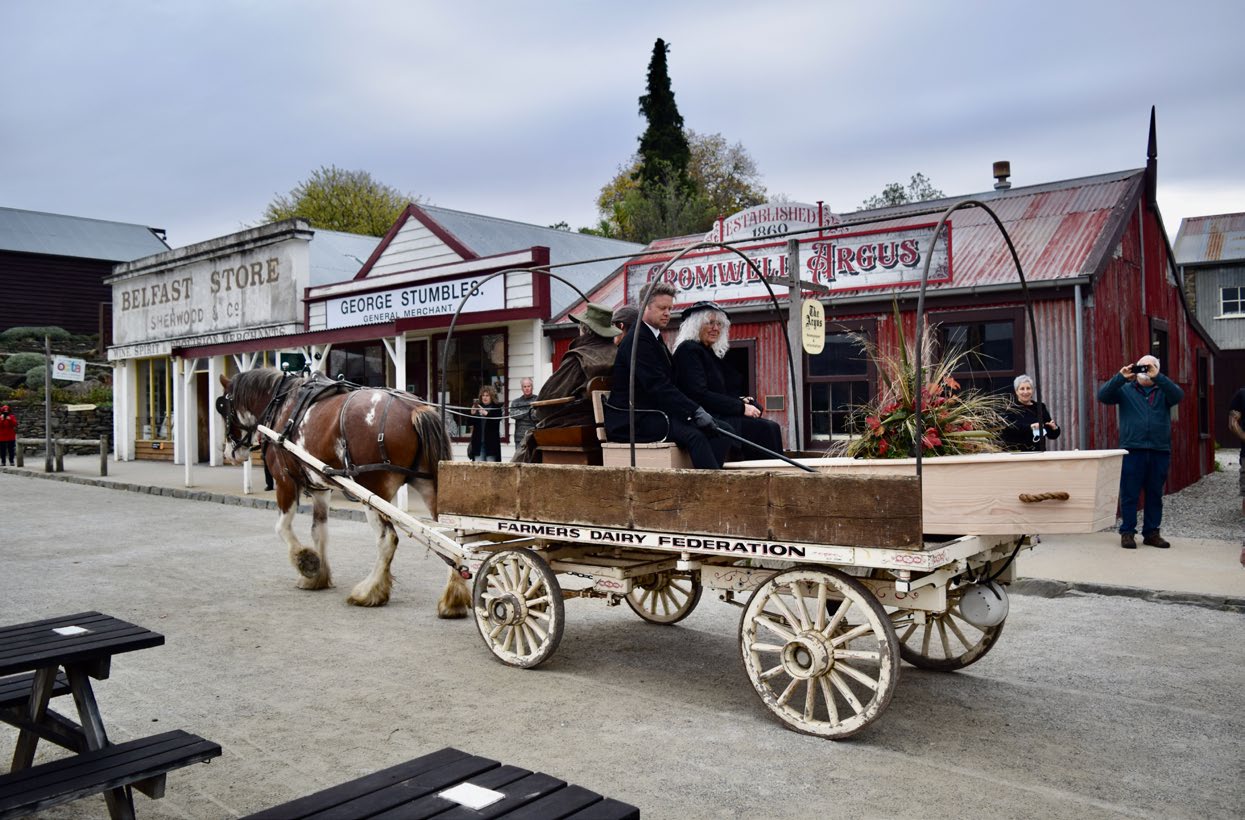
(86, 424)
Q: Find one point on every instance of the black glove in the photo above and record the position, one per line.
(702, 419)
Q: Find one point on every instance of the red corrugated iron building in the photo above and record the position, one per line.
(1094, 245)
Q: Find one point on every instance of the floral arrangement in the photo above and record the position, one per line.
(952, 422)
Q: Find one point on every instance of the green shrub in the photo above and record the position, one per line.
(16, 334)
(35, 376)
(24, 362)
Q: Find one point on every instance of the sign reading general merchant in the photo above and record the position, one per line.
(839, 259)
(230, 292)
(417, 300)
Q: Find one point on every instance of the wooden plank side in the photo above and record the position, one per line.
(855, 511)
(478, 488)
(573, 494)
(701, 501)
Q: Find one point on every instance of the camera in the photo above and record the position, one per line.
(1140, 368)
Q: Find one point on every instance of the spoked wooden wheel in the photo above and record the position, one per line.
(820, 651)
(518, 607)
(945, 642)
(665, 597)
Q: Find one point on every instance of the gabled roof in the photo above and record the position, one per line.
(1211, 240)
(76, 236)
(471, 235)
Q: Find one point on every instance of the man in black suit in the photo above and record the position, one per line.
(685, 422)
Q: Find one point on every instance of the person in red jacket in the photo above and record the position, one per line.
(8, 437)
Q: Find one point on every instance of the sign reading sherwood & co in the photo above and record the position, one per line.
(417, 300)
(839, 259)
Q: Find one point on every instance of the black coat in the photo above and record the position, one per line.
(701, 377)
(486, 432)
(1018, 434)
(655, 387)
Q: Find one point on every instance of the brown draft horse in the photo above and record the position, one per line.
(373, 428)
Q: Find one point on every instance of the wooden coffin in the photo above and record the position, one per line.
(846, 510)
(982, 494)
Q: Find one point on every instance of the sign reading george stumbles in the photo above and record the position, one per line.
(837, 258)
(417, 299)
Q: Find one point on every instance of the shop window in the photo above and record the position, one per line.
(362, 363)
(291, 362)
(1231, 301)
(1159, 347)
(993, 342)
(154, 419)
(838, 380)
(475, 359)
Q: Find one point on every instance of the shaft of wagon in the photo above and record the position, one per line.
(741, 440)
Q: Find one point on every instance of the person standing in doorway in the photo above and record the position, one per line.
(485, 427)
(521, 412)
(8, 437)
(1145, 398)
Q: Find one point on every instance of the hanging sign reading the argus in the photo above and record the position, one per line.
(812, 326)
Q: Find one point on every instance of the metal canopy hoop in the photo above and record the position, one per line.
(445, 354)
(920, 310)
(643, 303)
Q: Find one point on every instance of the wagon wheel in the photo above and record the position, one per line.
(518, 607)
(665, 597)
(820, 651)
(946, 641)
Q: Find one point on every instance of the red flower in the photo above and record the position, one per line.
(872, 422)
(931, 440)
(952, 383)
(883, 447)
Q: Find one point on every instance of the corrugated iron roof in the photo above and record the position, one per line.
(1057, 228)
(1211, 239)
(490, 236)
(76, 236)
(337, 256)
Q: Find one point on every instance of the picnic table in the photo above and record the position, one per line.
(44, 659)
(452, 784)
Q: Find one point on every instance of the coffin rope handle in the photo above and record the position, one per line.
(1034, 498)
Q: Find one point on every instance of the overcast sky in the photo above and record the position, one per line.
(191, 115)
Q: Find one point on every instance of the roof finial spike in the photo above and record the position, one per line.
(1152, 164)
(1152, 150)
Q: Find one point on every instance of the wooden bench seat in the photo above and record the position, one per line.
(652, 455)
(141, 763)
(15, 689)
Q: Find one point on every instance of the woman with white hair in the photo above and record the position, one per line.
(700, 373)
(1029, 424)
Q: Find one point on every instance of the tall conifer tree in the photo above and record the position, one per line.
(664, 152)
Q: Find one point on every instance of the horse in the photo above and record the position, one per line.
(381, 438)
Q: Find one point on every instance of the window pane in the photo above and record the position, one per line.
(990, 345)
(842, 356)
(831, 405)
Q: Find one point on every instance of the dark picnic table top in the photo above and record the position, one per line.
(36, 644)
(411, 790)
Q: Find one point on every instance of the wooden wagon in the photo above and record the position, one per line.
(840, 574)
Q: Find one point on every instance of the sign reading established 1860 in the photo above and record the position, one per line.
(839, 259)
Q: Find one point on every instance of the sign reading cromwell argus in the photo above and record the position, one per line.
(245, 290)
(839, 259)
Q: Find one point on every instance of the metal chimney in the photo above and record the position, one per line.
(1002, 170)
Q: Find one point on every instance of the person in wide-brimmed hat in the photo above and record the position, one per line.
(701, 373)
(590, 355)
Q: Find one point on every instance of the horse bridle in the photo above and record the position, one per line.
(224, 406)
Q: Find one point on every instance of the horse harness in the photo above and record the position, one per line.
(310, 391)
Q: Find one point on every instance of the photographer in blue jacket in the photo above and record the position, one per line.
(1145, 398)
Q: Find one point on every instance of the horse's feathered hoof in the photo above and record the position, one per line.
(456, 611)
(307, 563)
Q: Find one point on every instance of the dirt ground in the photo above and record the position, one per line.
(1089, 706)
